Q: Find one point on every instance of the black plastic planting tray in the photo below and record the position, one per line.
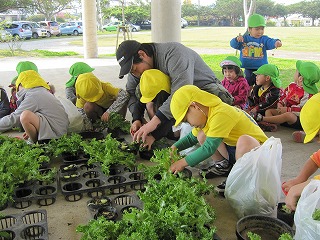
(115, 206)
(43, 192)
(28, 225)
(77, 179)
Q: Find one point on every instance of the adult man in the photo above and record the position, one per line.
(183, 66)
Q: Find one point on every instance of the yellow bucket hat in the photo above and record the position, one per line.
(309, 117)
(31, 79)
(184, 96)
(151, 83)
(89, 87)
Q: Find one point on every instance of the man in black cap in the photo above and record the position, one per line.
(183, 66)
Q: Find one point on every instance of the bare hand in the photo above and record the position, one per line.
(105, 117)
(278, 44)
(240, 38)
(136, 125)
(178, 166)
(143, 132)
(25, 136)
(148, 142)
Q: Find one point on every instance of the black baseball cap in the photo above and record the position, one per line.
(125, 53)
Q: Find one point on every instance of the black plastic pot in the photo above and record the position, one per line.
(146, 155)
(288, 218)
(109, 212)
(91, 135)
(268, 228)
(98, 202)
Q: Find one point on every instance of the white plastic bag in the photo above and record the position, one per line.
(254, 185)
(306, 227)
(74, 116)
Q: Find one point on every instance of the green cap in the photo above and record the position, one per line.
(75, 70)
(25, 66)
(256, 20)
(272, 71)
(231, 60)
(311, 75)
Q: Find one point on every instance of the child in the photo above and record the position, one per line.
(98, 99)
(41, 115)
(309, 116)
(224, 132)
(4, 103)
(75, 70)
(253, 47)
(21, 67)
(294, 97)
(234, 81)
(265, 94)
(155, 89)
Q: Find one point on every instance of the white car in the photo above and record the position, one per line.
(184, 23)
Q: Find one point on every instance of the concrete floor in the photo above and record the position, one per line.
(65, 216)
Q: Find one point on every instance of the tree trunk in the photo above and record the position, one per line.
(248, 12)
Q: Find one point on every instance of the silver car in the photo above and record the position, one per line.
(37, 31)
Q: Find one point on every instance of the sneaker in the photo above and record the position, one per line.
(257, 116)
(220, 188)
(221, 168)
(268, 127)
(298, 136)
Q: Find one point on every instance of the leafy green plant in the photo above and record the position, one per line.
(285, 209)
(180, 213)
(19, 163)
(107, 152)
(253, 236)
(316, 214)
(66, 144)
(116, 121)
(285, 236)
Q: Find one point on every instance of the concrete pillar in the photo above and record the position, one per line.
(89, 19)
(166, 20)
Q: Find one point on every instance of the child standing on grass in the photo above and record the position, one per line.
(234, 81)
(155, 89)
(224, 132)
(265, 94)
(309, 116)
(294, 98)
(253, 47)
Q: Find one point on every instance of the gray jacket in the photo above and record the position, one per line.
(184, 66)
(53, 118)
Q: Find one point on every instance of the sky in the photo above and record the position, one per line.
(209, 2)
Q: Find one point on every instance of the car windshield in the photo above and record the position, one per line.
(54, 24)
(12, 26)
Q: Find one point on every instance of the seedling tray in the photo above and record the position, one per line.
(43, 192)
(119, 203)
(28, 225)
(83, 178)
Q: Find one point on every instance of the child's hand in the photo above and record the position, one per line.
(136, 125)
(25, 136)
(240, 38)
(105, 117)
(278, 44)
(178, 166)
(148, 142)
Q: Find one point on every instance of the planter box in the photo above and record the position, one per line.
(28, 225)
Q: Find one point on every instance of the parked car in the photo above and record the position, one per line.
(113, 26)
(144, 25)
(52, 27)
(184, 23)
(19, 30)
(37, 31)
(71, 28)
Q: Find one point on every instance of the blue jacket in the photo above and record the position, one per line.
(253, 51)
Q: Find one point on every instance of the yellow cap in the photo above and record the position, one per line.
(184, 96)
(151, 83)
(89, 87)
(309, 117)
(31, 79)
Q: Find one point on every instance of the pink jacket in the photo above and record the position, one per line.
(239, 89)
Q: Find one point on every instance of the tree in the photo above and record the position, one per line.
(6, 5)
(229, 9)
(248, 10)
(309, 9)
(49, 8)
